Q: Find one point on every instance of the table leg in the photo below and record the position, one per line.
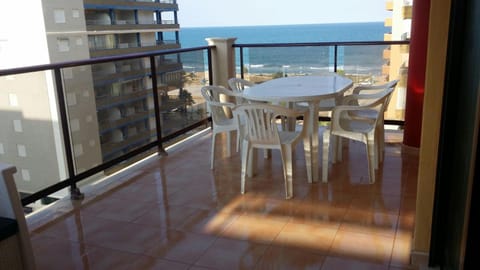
(311, 142)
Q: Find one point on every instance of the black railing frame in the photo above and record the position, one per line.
(75, 178)
(335, 46)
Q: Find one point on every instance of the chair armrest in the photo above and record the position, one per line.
(222, 104)
(354, 98)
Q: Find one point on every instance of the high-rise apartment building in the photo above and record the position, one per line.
(110, 106)
(396, 56)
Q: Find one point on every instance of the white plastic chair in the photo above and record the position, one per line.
(262, 131)
(347, 122)
(238, 85)
(222, 117)
(365, 94)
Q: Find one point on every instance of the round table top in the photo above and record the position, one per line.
(298, 88)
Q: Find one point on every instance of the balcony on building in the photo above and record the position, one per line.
(387, 37)
(115, 44)
(407, 12)
(133, 4)
(388, 22)
(389, 5)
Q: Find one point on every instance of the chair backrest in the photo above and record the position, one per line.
(261, 122)
(374, 88)
(216, 98)
(363, 95)
(238, 85)
(341, 113)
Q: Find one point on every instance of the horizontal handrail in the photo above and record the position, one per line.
(329, 43)
(97, 60)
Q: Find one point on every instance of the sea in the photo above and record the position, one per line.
(352, 59)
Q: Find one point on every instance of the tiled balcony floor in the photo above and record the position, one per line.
(175, 213)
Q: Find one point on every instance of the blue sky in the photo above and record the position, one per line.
(198, 13)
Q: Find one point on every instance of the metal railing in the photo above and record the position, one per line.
(57, 70)
(334, 45)
(365, 62)
(158, 90)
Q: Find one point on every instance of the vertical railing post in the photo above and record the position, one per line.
(242, 74)
(335, 60)
(210, 68)
(156, 103)
(75, 193)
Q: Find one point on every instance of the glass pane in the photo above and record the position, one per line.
(181, 103)
(30, 137)
(265, 63)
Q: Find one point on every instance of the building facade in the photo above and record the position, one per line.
(396, 57)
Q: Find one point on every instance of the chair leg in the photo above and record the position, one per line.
(381, 143)
(338, 148)
(237, 145)
(245, 159)
(212, 157)
(229, 141)
(252, 161)
(371, 160)
(326, 152)
(287, 161)
(307, 149)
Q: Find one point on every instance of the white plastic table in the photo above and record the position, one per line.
(310, 89)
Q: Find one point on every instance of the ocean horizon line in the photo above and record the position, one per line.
(279, 25)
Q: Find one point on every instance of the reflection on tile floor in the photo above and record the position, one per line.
(175, 213)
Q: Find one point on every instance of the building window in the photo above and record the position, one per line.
(71, 99)
(13, 100)
(22, 150)
(75, 125)
(59, 15)
(67, 73)
(17, 126)
(78, 150)
(75, 13)
(2, 149)
(25, 175)
(63, 44)
(79, 41)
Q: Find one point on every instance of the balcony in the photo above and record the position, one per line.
(132, 4)
(389, 5)
(387, 37)
(131, 26)
(132, 47)
(407, 12)
(173, 211)
(388, 22)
